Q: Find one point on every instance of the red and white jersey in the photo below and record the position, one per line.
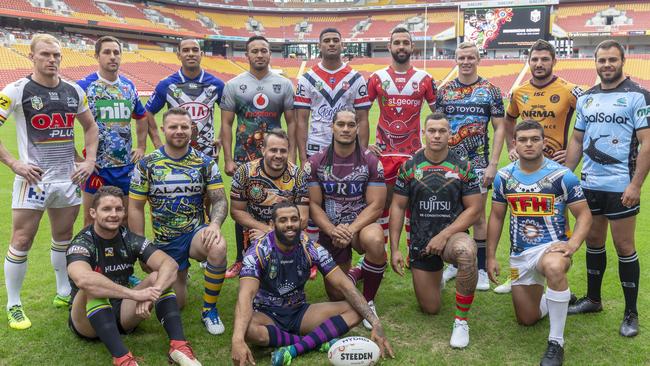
(400, 97)
(326, 92)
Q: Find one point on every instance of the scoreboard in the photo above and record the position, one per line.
(506, 27)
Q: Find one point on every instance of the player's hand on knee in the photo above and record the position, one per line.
(241, 354)
(211, 236)
(563, 247)
(436, 245)
(493, 270)
(397, 262)
(146, 294)
(143, 309)
(31, 173)
(377, 335)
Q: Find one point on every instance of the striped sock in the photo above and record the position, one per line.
(596, 265)
(372, 275)
(355, 274)
(629, 273)
(15, 269)
(331, 328)
(383, 221)
(407, 227)
(57, 258)
(463, 304)
(279, 338)
(213, 281)
(312, 231)
(169, 316)
(100, 314)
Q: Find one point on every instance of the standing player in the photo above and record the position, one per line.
(612, 120)
(441, 190)
(470, 103)
(538, 190)
(347, 191)
(400, 90)
(547, 99)
(176, 179)
(259, 98)
(47, 177)
(113, 100)
(193, 89)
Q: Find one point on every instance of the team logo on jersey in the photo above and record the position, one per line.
(555, 98)
(588, 102)
(176, 92)
(37, 103)
(415, 85)
(98, 89)
(256, 192)
(345, 85)
(277, 88)
(535, 16)
(260, 101)
(318, 85)
(385, 84)
(524, 98)
(72, 103)
(243, 88)
(307, 169)
(108, 252)
(621, 102)
(273, 269)
(418, 173)
(531, 204)
(531, 231)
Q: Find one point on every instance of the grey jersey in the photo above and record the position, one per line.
(258, 105)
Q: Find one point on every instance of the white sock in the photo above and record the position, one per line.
(15, 269)
(57, 257)
(558, 303)
(543, 307)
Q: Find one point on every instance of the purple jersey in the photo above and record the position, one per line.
(344, 182)
(283, 275)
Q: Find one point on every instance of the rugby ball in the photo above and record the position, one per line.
(357, 351)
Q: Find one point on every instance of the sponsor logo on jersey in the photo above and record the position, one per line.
(399, 102)
(78, 249)
(538, 113)
(37, 103)
(54, 95)
(72, 103)
(243, 88)
(640, 113)
(62, 127)
(196, 110)
(531, 204)
(433, 205)
(176, 92)
(177, 189)
(260, 101)
(5, 101)
(343, 188)
(117, 267)
(111, 110)
(602, 117)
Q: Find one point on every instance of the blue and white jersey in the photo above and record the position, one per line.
(609, 120)
(537, 202)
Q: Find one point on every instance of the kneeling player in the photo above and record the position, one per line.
(100, 261)
(538, 190)
(272, 310)
(442, 192)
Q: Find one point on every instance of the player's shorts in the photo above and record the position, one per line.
(116, 304)
(480, 172)
(342, 256)
(40, 196)
(287, 319)
(119, 177)
(609, 204)
(523, 266)
(391, 164)
(179, 248)
(313, 149)
(418, 259)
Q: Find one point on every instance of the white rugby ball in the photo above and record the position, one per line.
(357, 351)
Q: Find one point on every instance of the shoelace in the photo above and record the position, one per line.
(213, 316)
(186, 349)
(552, 350)
(17, 313)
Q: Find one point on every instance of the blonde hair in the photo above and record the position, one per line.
(466, 45)
(43, 37)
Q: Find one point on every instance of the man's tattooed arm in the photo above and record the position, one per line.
(218, 205)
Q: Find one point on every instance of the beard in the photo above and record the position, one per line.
(286, 241)
(401, 59)
(617, 74)
(546, 74)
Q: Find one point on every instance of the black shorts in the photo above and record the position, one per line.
(116, 304)
(609, 204)
(420, 260)
(287, 319)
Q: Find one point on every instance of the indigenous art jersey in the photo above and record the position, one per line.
(552, 105)
(259, 105)
(175, 189)
(609, 120)
(113, 104)
(435, 192)
(261, 191)
(44, 124)
(198, 96)
(400, 96)
(344, 182)
(537, 202)
(469, 109)
(114, 258)
(326, 92)
(282, 275)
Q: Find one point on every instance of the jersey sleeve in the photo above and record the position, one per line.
(513, 108)
(213, 177)
(287, 99)
(440, 100)
(139, 186)
(138, 109)
(373, 84)
(83, 99)
(239, 183)
(404, 178)
(322, 258)
(252, 263)
(574, 93)
(311, 170)
(572, 187)
(220, 85)
(301, 190)
(470, 181)
(430, 92)
(141, 246)
(498, 193)
(302, 98)
(580, 122)
(228, 100)
(157, 100)
(375, 170)
(642, 110)
(80, 250)
(361, 100)
(496, 109)
(9, 99)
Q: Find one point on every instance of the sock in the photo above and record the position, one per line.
(596, 264)
(481, 253)
(279, 338)
(543, 307)
(213, 281)
(355, 274)
(558, 303)
(312, 231)
(57, 257)
(628, 272)
(15, 269)
(383, 221)
(100, 314)
(169, 316)
(239, 238)
(407, 227)
(331, 328)
(372, 276)
(463, 304)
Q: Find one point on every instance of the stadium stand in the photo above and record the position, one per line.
(623, 15)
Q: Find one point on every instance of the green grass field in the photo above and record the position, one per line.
(417, 339)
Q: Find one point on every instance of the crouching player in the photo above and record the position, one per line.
(272, 309)
(538, 190)
(100, 261)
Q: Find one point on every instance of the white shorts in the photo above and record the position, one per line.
(523, 267)
(44, 195)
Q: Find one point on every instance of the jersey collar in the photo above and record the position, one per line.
(545, 85)
(185, 78)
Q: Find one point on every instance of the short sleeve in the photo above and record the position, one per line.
(440, 101)
(403, 179)
(322, 258)
(239, 183)
(157, 100)
(311, 170)
(361, 100)
(574, 191)
(213, 178)
(580, 122)
(139, 186)
(8, 101)
(83, 99)
(496, 108)
(141, 246)
(79, 251)
(574, 94)
(251, 265)
(430, 93)
(301, 191)
(302, 98)
(498, 193)
(470, 181)
(228, 100)
(513, 108)
(373, 84)
(287, 99)
(375, 170)
(138, 109)
(642, 111)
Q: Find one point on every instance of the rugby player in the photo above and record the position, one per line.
(100, 261)
(547, 99)
(470, 103)
(537, 190)
(272, 310)
(259, 98)
(176, 179)
(612, 120)
(347, 191)
(113, 100)
(193, 89)
(442, 191)
(400, 90)
(47, 177)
